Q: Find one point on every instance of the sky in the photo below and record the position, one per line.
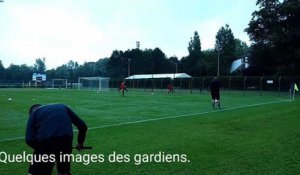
(88, 30)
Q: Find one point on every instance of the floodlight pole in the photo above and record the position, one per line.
(129, 66)
(176, 66)
(218, 73)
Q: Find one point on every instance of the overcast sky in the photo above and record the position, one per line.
(87, 30)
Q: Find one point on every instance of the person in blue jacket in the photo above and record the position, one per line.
(49, 132)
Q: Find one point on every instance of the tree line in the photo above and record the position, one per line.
(273, 30)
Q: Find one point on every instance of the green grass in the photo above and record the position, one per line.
(252, 134)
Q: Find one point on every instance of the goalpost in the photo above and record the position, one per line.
(93, 83)
(60, 83)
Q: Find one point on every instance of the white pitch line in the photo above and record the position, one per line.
(185, 115)
(164, 118)
(10, 139)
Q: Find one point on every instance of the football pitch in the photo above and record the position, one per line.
(163, 134)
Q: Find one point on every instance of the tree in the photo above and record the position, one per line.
(159, 61)
(40, 65)
(261, 61)
(263, 23)
(261, 28)
(61, 72)
(71, 67)
(209, 63)
(89, 69)
(226, 46)
(286, 42)
(192, 63)
(146, 61)
(51, 74)
(275, 32)
(2, 71)
(117, 65)
(101, 67)
(173, 67)
(241, 49)
(195, 44)
(138, 62)
(19, 73)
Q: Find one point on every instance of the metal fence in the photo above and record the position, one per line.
(231, 85)
(244, 85)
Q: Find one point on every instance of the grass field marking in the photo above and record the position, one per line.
(170, 117)
(186, 115)
(11, 139)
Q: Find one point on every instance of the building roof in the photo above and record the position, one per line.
(147, 76)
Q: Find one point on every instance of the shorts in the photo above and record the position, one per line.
(53, 149)
(215, 95)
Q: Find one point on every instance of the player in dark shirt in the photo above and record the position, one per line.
(49, 132)
(215, 92)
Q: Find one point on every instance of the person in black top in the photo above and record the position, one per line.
(49, 132)
(215, 92)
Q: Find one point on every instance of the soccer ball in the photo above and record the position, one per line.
(9, 99)
(216, 101)
(152, 93)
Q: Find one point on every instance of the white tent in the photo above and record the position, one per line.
(148, 76)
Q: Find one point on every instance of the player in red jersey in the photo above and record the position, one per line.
(170, 88)
(122, 88)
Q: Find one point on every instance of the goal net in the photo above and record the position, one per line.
(59, 83)
(93, 83)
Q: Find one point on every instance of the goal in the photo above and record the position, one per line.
(93, 83)
(59, 83)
